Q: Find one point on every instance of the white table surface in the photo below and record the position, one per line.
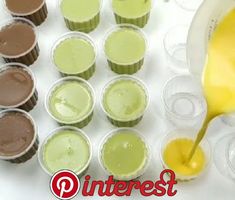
(28, 181)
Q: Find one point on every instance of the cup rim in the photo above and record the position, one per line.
(227, 154)
(30, 118)
(57, 131)
(13, 20)
(166, 105)
(118, 27)
(61, 81)
(125, 77)
(59, 6)
(23, 14)
(73, 34)
(12, 65)
(116, 131)
(181, 133)
(152, 6)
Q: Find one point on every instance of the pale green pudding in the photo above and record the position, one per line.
(80, 10)
(131, 8)
(70, 102)
(74, 55)
(125, 46)
(66, 149)
(124, 155)
(125, 99)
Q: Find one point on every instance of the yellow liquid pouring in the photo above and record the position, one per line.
(219, 75)
(219, 88)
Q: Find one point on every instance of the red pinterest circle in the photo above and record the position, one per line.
(65, 185)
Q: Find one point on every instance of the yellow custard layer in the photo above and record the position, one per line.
(176, 153)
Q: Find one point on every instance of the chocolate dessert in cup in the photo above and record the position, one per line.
(71, 101)
(66, 148)
(74, 54)
(33, 10)
(81, 15)
(125, 47)
(18, 41)
(18, 136)
(17, 87)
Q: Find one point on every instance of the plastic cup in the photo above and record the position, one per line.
(224, 156)
(139, 21)
(124, 177)
(89, 70)
(132, 120)
(37, 16)
(86, 26)
(186, 134)
(184, 102)
(31, 54)
(55, 132)
(228, 119)
(30, 101)
(85, 119)
(31, 150)
(126, 67)
(175, 48)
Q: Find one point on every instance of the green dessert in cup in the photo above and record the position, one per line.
(75, 54)
(125, 47)
(66, 148)
(135, 12)
(70, 101)
(124, 101)
(124, 154)
(81, 15)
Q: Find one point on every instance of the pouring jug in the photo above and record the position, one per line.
(202, 27)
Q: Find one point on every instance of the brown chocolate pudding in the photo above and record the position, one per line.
(16, 39)
(16, 86)
(24, 7)
(16, 133)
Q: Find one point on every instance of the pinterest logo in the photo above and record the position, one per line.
(65, 185)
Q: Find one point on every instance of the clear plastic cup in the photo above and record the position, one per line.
(37, 16)
(87, 73)
(183, 101)
(80, 123)
(125, 68)
(206, 20)
(224, 156)
(82, 26)
(30, 55)
(31, 150)
(186, 134)
(175, 48)
(124, 177)
(189, 5)
(53, 133)
(30, 102)
(117, 121)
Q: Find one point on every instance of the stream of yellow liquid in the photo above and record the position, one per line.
(218, 83)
